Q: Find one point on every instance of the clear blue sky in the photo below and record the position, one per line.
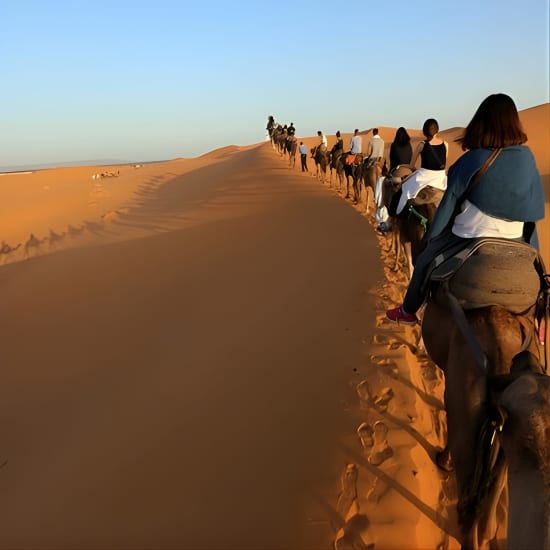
(149, 80)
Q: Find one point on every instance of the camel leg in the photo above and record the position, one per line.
(408, 259)
(368, 192)
(355, 191)
(396, 241)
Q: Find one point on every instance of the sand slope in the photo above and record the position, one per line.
(172, 390)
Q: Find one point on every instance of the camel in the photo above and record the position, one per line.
(336, 163)
(353, 168)
(291, 148)
(413, 224)
(320, 155)
(473, 347)
(410, 226)
(372, 170)
(279, 139)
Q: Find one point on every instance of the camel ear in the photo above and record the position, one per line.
(525, 361)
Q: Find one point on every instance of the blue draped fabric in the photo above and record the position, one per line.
(511, 189)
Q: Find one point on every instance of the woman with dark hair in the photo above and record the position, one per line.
(505, 202)
(400, 149)
(433, 158)
(338, 147)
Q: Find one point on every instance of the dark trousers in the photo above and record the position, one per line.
(303, 158)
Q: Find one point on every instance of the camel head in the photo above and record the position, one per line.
(522, 399)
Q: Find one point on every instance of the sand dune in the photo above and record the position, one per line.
(195, 356)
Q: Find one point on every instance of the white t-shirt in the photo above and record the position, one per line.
(377, 145)
(472, 223)
(355, 145)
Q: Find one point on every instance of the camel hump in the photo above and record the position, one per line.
(428, 195)
(493, 272)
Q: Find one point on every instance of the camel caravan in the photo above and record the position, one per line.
(484, 323)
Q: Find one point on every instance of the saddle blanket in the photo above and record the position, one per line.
(498, 273)
(418, 180)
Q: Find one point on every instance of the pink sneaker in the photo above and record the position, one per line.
(397, 314)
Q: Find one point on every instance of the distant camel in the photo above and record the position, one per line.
(33, 243)
(320, 155)
(5, 248)
(372, 170)
(54, 238)
(291, 147)
(336, 163)
(353, 168)
(279, 139)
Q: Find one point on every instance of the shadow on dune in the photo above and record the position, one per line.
(438, 519)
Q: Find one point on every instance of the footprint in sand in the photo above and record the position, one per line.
(393, 343)
(380, 450)
(383, 399)
(348, 495)
(354, 533)
(365, 431)
(377, 360)
(380, 401)
(391, 370)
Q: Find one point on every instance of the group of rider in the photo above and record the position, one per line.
(506, 201)
(493, 190)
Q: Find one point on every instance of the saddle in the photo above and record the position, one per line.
(350, 159)
(490, 271)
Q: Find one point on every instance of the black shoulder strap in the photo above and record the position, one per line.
(482, 171)
(474, 181)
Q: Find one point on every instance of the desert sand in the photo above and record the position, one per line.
(195, 355)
